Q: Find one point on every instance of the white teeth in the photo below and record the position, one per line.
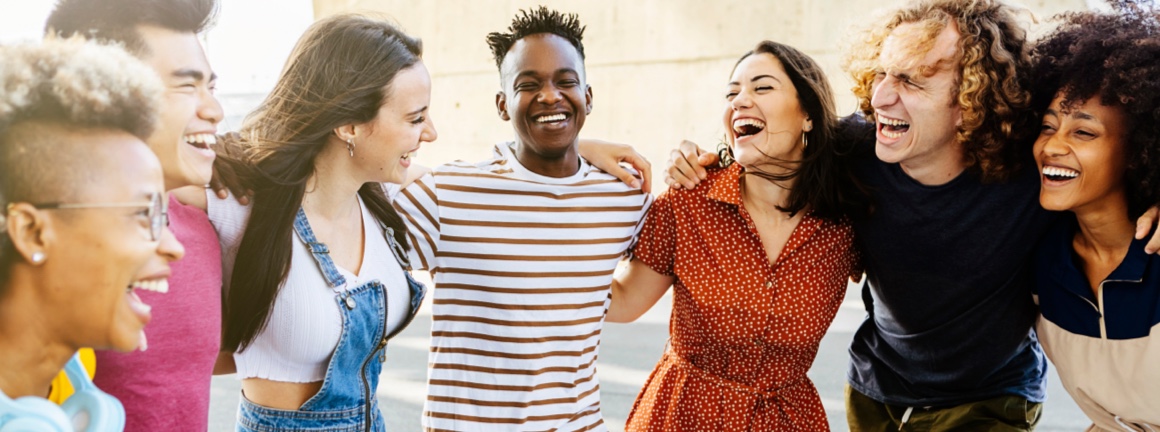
(739, 123)
(157, 285)
(890, 134)
(551, 118)
(207, 139)
(892, 122)
(1053, 171)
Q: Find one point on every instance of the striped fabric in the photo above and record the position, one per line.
(522, 265)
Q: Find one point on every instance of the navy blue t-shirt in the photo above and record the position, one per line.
(950, 269)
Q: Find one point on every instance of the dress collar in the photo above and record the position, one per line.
(727, 187)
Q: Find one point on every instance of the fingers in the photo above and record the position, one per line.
(1146, 223)
(642, 166)
(708, 159)
(624, 176)
(692, 154)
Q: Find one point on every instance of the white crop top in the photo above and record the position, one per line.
(305, 323)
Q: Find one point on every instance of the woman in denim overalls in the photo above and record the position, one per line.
(344, 117)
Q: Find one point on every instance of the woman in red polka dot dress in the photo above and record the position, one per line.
(758, 255)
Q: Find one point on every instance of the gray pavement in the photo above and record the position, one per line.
(627, 354)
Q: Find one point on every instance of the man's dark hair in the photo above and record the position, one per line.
(117, 20)
(540, 20)
(1111, 55)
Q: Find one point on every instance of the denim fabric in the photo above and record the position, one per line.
(346, 401)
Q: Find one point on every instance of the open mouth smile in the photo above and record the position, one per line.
(891, 127)
(1058, 175)
(201, 140)
(142, 310)
(746, 127)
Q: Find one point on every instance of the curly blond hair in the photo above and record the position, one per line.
(992, 80)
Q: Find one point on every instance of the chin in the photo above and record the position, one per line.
(1053, 205)
(886, 154)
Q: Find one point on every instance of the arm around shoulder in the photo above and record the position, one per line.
(635, 290)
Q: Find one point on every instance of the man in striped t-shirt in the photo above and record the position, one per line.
(523, 248)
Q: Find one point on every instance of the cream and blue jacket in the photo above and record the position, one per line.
(1105, 343)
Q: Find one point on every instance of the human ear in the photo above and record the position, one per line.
(587, 99)
(807, 125)
(345, 132)
(501, 106)
(30, 232)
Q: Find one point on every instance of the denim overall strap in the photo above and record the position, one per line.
(418, 291)
(319, 250)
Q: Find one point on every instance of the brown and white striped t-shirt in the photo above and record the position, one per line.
(522, 265)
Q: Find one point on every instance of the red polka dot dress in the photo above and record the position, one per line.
(743, 332)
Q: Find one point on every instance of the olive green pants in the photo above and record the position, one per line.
(1004, 413)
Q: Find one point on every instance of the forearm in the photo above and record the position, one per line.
(635, 291)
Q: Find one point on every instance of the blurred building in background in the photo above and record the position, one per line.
(657, 68)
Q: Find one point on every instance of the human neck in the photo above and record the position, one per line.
(1105, 231)
(332, 191)
(563, 165)
(763, 196)
(31, 359)
(938, 168)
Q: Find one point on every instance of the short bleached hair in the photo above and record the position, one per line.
(55, 90)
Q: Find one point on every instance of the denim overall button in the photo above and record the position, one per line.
(350, 303)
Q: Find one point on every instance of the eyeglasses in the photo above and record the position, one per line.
(157, 206)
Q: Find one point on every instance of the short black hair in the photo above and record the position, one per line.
(540, 20)
(1111, 55)
(117, 20)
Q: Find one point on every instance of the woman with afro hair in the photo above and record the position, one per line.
(1098, 153)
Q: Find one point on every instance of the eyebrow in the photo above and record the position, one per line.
(1084, 116)
(757, 78)
(417, 112)
(1075, 114)
(558, 71)
(193, 73)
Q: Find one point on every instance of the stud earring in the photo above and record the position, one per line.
(350, 146)
(37, 257)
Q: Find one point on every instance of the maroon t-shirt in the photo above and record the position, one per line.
(166, 388)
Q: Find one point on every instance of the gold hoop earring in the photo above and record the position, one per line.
(805, 141)
(350, 146)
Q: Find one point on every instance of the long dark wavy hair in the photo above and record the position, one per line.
(825, 181)
(337, 75)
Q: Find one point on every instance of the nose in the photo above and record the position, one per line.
(1054, 146)
(883, 94)
(429, 134)
(169, 248)
(549, 95)
(208, 107)
(742, 100)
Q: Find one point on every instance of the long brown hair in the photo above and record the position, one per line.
(336, 75)
(825, 182)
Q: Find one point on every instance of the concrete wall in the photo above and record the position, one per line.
(657, 68)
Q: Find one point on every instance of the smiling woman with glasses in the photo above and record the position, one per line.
(83, 224)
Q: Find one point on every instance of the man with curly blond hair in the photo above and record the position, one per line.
(948, 343)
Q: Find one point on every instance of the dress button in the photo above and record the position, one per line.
(768, 284)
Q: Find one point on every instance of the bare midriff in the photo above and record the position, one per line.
(279, 394)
